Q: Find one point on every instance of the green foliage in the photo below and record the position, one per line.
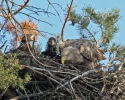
(118, 51)
(106, 22)
(9, 69)
(38, 49)
(58, 39)
(74, 18)
(82, 21)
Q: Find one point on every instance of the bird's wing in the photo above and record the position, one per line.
(87, 49)
(90, 51)
(98, 53)
(82, 45)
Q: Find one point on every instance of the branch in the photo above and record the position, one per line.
(37, 72)
(91, 34)
(21, 7)
(55, 9)
(77, 77)
(101, 36)
(25, 96)
(62, 32)
(3, 44)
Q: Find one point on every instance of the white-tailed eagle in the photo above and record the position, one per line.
(78, 51)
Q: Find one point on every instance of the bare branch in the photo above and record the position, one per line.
(62, 32)
(21, 7)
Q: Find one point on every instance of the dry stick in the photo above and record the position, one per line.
(26, 55)
(77, 77)
(19, 11)
(32, 69)
(6, 16)
(73, 90)
(79, 90)
(62, 32)
(9, 10)
(10, 14)
(21, 7)
(53, 76)
(24, 96)
(3, 25)
(40, 58)
(84, 74)
(3, 92)
(36, 18)
(55, 10)
(3, 44)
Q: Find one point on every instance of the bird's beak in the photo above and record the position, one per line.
(32, 37)
(63, 59)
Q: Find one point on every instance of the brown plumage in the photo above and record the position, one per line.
(79, 51)
(51, 51)
(25, 44)
(51, 48)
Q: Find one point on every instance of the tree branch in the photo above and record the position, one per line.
(62, 32)
(21, 7)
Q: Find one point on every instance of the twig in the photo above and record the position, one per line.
(47, 77)
(25, 96)
(3, 44)
(77, 88)
(41, 58)
(53, 76)
(77, 77)
(55, 10)
(3, 92)
(21, 7)
(91, 34)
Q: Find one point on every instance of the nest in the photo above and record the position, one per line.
(54, 81)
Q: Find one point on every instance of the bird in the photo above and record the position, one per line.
(80, 51)
(28, 38)
(25, 42)
(51, 50)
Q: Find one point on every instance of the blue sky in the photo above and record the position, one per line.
(70, 31)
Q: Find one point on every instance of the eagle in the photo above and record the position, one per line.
(25, 41)
(80, 51)
(51, 50)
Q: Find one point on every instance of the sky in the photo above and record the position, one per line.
(70, 32)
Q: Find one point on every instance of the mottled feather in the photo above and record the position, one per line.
(86, 48)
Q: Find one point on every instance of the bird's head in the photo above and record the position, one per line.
(52, 42)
